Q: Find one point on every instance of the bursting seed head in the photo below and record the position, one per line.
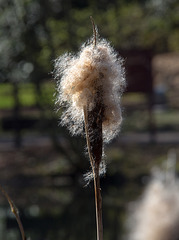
(81, 77)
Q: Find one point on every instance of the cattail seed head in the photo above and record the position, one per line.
(156, 215)
(79, 79)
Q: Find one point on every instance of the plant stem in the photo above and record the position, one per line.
(98, 203)
(93, 129)
(94, 31)
(14, 211)
(94, 138)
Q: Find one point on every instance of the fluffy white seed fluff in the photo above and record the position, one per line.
(78, 78)
(156, 215)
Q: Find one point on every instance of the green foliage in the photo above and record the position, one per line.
(27, 95)
(6, 98)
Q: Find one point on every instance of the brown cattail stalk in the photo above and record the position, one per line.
(14, 211)
(89, 85)
(93, 129)
(94, 137)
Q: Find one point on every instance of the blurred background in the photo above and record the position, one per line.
(41, 165)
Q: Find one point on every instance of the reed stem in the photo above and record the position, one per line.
(93, 129)
(94, 138)
(98, 203)
(14, 211)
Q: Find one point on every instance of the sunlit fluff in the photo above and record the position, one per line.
(156, 215)
(80, 76)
